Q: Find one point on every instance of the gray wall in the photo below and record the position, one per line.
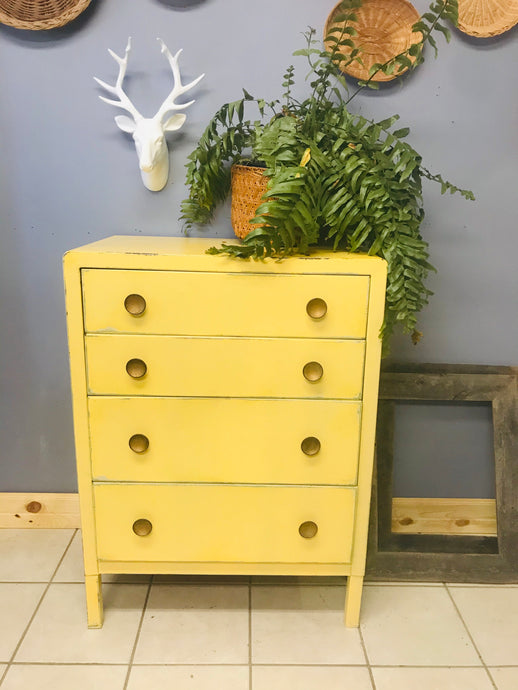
(68, 176)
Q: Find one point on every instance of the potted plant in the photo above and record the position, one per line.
(331, 177)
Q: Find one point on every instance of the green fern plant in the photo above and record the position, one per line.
(335, 178)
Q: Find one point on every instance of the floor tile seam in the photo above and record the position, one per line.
(137, 636)
(295, 665)
(186, 664)
(63, 556)
(48, 584)
(480, 667)
(210, 664)
(24, 582)
(502, 665)
(481, 585)
(365, 654)
(24, 633)
(141, 663)
(255, 664)
(468, 631)
(69, 663)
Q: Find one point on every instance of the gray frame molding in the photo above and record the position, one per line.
(451, 558)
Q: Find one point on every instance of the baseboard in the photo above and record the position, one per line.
(473, 516)
(43, 510)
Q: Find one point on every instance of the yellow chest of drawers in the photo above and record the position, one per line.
(224, 410)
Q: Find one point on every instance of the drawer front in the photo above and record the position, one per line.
(183, 303)
(218, 523)
(235, 367)
(224, 440)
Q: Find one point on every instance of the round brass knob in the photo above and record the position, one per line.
(310, 445)
(135, 305)
(142, 527)
(313, 371)
(139, 443)
(136, 368)
(308, 529)
(316, 308)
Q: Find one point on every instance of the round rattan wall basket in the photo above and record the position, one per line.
(484, 18)
(384, 30)
(37, 15)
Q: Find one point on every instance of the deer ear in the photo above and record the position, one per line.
(174, 122)
(125, 123)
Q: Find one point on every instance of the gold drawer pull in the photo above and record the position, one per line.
(310, 445)
(136, 368)
(313, 371)
(308, 529)
(139, 443)
(316, 308)
(142, 527)
(135, 305)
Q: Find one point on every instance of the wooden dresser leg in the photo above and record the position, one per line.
(94, 601)
(353, 600)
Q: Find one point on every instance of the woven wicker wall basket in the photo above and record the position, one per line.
(484, 18)
(248, 184)
(37, 15)
(384, 30)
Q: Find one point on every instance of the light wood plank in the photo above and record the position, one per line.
(475, 516)
(44, 510)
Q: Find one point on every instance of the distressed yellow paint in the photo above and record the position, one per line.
(234, 367)
(211, 522)
(221, 568)
(189, 303)
(180, 429)
(225, 406)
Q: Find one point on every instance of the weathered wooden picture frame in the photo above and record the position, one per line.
(438, 557)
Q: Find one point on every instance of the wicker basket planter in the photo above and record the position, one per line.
(40, 14)
(248, 184)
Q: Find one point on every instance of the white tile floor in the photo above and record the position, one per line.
(242, 633)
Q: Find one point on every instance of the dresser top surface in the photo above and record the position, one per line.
(190, 253)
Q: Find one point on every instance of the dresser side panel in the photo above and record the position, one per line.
(373, 347)
(75, 329)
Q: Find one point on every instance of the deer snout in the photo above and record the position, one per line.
(150, 144)
(149, 155)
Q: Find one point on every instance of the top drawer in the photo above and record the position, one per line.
(227, 304)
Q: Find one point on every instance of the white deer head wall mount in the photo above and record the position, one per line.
(149, 132)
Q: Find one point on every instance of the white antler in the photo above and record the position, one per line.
(117, 90)
(178, 88)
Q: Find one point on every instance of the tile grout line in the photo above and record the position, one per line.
(367, 660)
(63, 557)
(470, 636)
(237, 665)
(49, 582)
(137, 636)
